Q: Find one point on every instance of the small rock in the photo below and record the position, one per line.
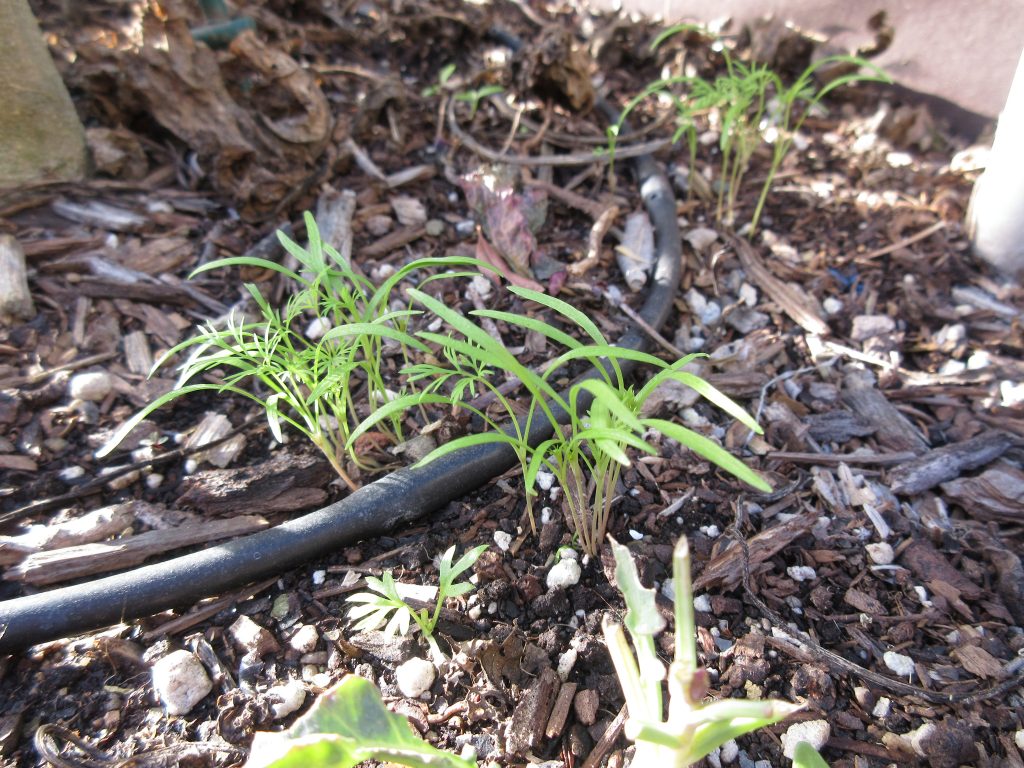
(181, 682)
(503, 540)
(409, 211)
(832, 305)
(814, 732)
(901, 665)
(881, 553)
(565, 663)
(289, 697)
(586, 704)
(701, 238)
(801, 573)
(434, 228)
(564, 574)
(378, 226)
(545, 480)
(252, 638)
(868, 326)
(90, 387)
(415, 677)
(730, 751)
(305, 639)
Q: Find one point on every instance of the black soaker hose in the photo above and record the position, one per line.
(400, 497)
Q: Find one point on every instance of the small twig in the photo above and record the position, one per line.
(597, 232)
(35, 378)
(924, 233)
(607, 740)
(513, 129)
(540, 132)
(574, 158)
(650, 330)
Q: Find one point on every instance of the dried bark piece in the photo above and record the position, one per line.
(928, 564)
(892, 429)
(726, 570)
(863, 602)
(791, 298)
(948, 462)
(531, 716)
(282, 484)
(15, 298)
(73, 562)
(995, 494)
(560, 710)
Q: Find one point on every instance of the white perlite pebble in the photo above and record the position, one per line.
(180, 681)
(882, 708)
(898, 663)
(702, 603)
(881, 553)
(730, 751)
(503, 540)
(565, 663)
(288, 698)
(563, 574)
(545, 480)
(801, 573)
(1018, 739)
(814, 732)
(415, 677)
(305, 639)
(91, 387)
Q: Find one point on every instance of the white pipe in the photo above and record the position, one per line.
(995, 217)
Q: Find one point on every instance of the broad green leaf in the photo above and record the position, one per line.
(531, 324)
(348, 725)
(711, 451)
(713, 395)
(248, 261)
(806, 756)
(642, 615)
(563, 308)
(721, 725)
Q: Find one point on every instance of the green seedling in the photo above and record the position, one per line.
(751, 105)
(806, 756)
(382, 605)
(442, 80)
(587, 453)
(693, 728)
(346, 726)
(308, 384)
(475, 96)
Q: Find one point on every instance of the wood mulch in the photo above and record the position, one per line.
(880, 584)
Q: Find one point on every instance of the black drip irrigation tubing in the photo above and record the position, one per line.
(373, 510)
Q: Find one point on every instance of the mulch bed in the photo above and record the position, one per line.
(879, 584)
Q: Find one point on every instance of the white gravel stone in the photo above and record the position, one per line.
(564, 574)
(900, 665)
(881, 553)
(545, 480)
(702, 603)
(415, 677)
(289, 697)
(566, 662)
(251, 637)
(814, 732)
(730, 751)
(503, 540)
(305, 639)
(181, 682)
(91, 387)
(801, 573)
(882, 708)
(1018, 739)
